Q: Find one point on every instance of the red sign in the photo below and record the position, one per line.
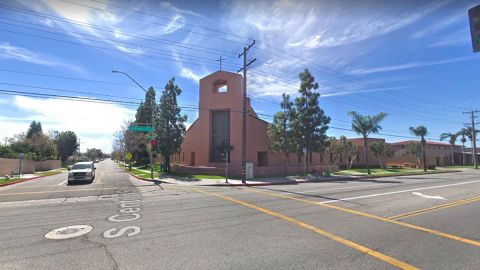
(153, 143)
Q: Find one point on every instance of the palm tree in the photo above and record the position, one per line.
(421, 131)
(470, 137)
(452, 138)
(366, 125)
(464, 133)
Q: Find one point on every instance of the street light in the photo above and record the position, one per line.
(152, 116)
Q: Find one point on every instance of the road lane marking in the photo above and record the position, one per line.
(366, 250)
(61, 184)
(54, 191)
(428, 196)
(434, 208)
(407, 225)
(397, 192)
(359, 185)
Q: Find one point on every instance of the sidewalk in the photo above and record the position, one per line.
(236, 182)
(30, 176)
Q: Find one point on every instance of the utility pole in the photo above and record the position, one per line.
(244, 109)
(474, 139)
(220, 60)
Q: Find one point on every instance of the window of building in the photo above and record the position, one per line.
(321, 158)
(220, 136)
(299, 158)
(262, 159)
(310, 157)
(183, 156)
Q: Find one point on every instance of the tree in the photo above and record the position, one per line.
(381, 151)
(279, 132)
(7, 152)
(144, 110)
(415, 149)
(35, 128)
(343, 150)
(136, 144)
(366, 125)
(170, 126)
(94, 153)
(142, 117)
(67, 144)
(463, 133)
(421, 131)
(307, 120)
(452, 138)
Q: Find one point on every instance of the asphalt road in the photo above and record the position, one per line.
(427, 222)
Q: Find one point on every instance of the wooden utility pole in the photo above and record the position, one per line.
(244, 109)
(474, 138)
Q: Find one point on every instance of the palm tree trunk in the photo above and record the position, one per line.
(463, 154)
(451, 150)
(365, 144)
(424, 150)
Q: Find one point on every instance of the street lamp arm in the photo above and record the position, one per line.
(133, 80)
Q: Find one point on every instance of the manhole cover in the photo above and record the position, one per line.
(68, 232)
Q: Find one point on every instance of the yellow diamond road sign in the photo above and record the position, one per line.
(129, 156)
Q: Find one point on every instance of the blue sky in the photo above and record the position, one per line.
(411, 59)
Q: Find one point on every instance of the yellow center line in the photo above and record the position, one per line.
(366, 250)
(434, 208)
(400, 223)
(54, 191)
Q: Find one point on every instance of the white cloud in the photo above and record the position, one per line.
(461, 37)
(136, 51)
(8, 51)
(361, 71)
(94, 123)
(189, 74)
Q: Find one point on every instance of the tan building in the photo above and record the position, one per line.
(438, 154)
(220, 123)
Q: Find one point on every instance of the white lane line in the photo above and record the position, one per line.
(356, 186)
(399, 191)
(428, 196)
(62, 183)
(360, 186)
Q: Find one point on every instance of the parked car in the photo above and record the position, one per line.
(81, 171)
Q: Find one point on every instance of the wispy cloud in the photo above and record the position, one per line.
(461, 37)
(191, 75)
(8, 51)
(457, 16)
(362, 71)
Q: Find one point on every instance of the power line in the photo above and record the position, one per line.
(133, 46)
(101, 28)
(115, 51)
(167, 19)
(157, 23)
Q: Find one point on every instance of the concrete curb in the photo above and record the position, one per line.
(293, 182)
(25, 180)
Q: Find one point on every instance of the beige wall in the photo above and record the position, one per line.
(28, 166)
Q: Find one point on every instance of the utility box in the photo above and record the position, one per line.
(249, 167)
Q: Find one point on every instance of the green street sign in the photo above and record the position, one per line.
(140, 128)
